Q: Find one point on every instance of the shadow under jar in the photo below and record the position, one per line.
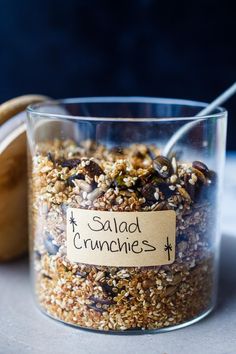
(121, 237)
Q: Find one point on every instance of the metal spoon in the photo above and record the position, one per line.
(205, 111)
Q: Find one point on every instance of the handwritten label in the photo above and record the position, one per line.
(126, 239)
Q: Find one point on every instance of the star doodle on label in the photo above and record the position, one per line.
(168, 248)
(72, 221)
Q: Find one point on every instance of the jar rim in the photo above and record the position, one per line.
(35, 108)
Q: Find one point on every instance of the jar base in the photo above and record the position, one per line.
(133, 331)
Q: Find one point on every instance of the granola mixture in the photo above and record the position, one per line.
(134, 178)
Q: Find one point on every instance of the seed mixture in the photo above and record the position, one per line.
(134, 178)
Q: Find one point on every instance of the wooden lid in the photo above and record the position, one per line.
(13, 177)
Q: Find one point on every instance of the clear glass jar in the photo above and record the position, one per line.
(122, 238)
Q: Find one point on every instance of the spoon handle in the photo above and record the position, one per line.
(185, 128)
(218, 101)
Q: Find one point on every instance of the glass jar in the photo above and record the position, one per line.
(123, 238)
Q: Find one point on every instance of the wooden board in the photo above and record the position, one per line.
(16, 105)
(13, 178)
(13, 199)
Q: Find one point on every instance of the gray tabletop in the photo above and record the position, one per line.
(23, 329)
